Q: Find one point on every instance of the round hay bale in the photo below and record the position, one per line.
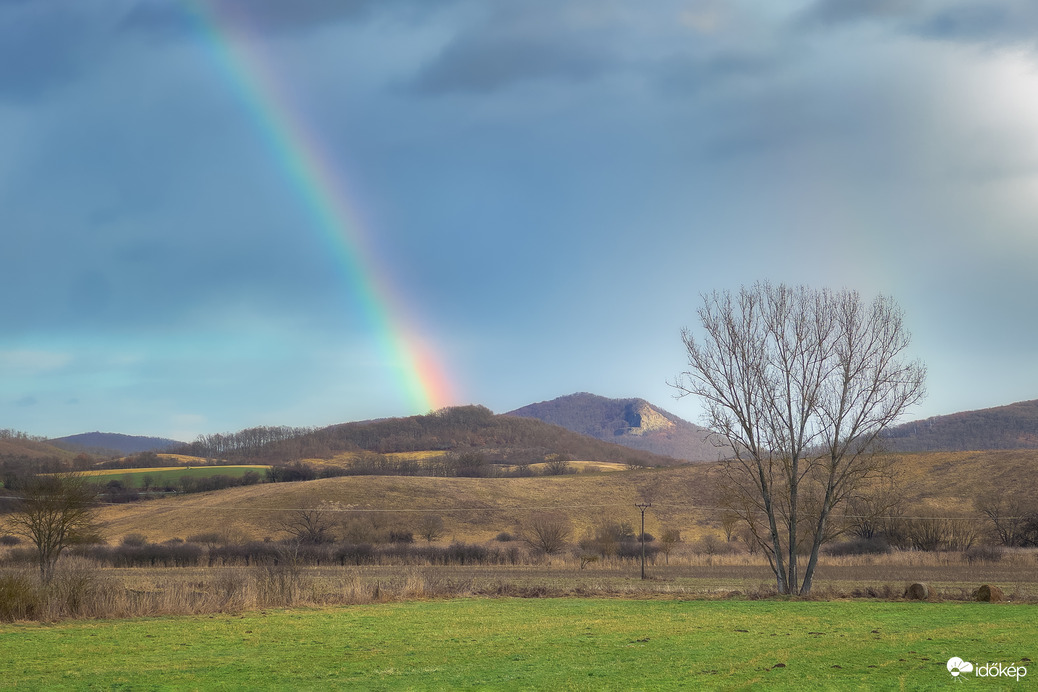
(917, 592)
(989, 594)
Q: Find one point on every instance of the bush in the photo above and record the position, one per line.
(984, 553)
(355, 554)
(9, 540)
(504, 537)
(712, 545)
(21, 597)
(858, 546)
(135, 540)
(212, 538)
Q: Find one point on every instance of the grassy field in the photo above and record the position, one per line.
(160, 476)
(533, 643)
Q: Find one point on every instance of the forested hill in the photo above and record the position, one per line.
(106, 443)
(1004, 427)
(633, 423)
(500, 438)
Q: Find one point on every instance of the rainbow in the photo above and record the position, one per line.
(322, 190)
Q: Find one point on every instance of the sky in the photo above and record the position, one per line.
(218, 214)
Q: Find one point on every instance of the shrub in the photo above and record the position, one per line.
(212, 538)
(712, 545)
(504, 537)
(858, 546)
(21, 597)
(355, 554)
(8, 539)
(134, 540)
(984, 553)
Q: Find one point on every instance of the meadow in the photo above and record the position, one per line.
(209, 590)
(507, 643)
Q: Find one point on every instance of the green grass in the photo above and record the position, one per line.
(541, 644)
(158, 477)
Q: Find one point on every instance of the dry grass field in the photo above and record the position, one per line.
(477, 509)
(473, 509)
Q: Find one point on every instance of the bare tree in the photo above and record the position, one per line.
(668, 539)
(54, 512)
(311, 523)
(1010, 510)
(801, 383)
(547, 533)
(430, 527)
(556, 465)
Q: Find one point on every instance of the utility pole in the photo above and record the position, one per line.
(641, 537)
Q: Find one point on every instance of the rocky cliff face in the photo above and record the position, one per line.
(642, 418)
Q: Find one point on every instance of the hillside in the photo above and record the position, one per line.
(1004, 427)
(21, 454)
(473, 509)
(477, 509)
(634, 423)
(102, 443)
(499, 438)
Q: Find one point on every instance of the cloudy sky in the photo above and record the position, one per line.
(227, 213)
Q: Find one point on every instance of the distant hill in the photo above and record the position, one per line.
(1004, 427)
(104, 443)
(633, 423)
(461, 429)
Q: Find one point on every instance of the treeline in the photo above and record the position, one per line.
(9, 434)
(451, 465)
(254, 443)
(114, 491)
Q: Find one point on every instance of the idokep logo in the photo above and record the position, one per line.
(956, 666)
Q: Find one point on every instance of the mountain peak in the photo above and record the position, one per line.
(633, 422)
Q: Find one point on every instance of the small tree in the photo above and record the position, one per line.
(54, 512)
(547, 533)
(556, 465)
(669, 539)
(430, 527)
(311, 523)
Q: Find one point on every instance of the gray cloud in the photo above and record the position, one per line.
(983, 22)
(830, 12)
(996, 21)
(264, 16)
(484, 63)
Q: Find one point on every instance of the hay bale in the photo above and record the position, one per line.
(917, 592)
(989, 594)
